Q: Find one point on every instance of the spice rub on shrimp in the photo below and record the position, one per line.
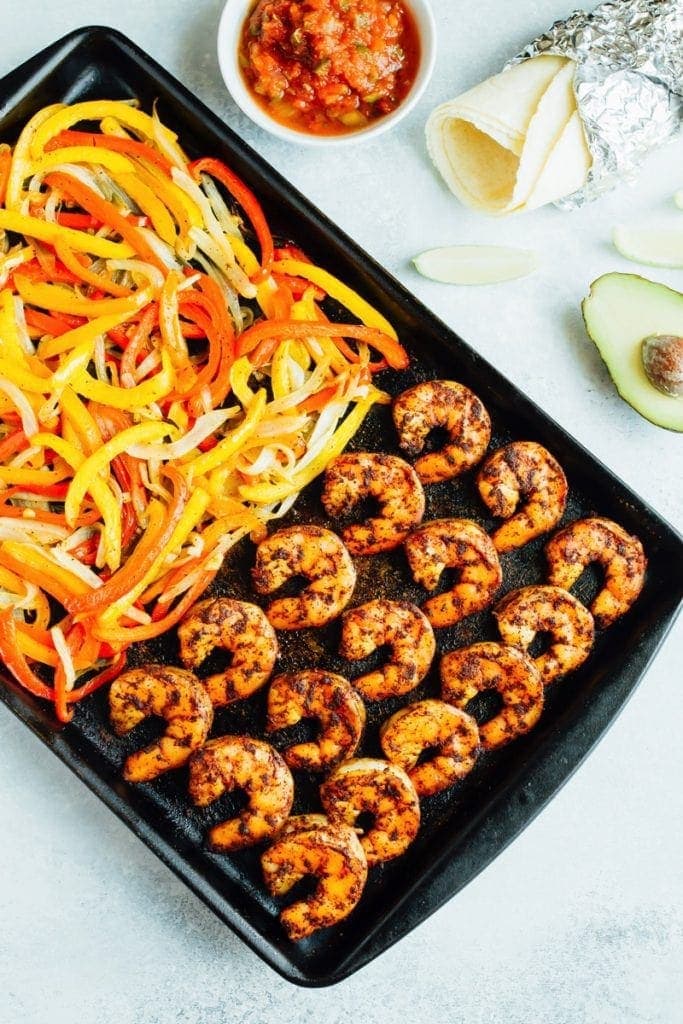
(169, 693)
(405, 630)
(321, 557)
(454, 544)
(309, 844)
(522, 471)
(238, 627)
(525, 612)
(239, 762)
(619, 553)
(431, 724)
(391, 482)
(452, 407)
(327, 697)
(491, 666)
(384, 791)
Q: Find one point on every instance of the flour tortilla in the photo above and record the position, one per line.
(493, 143)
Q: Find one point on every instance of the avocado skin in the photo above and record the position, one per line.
(619, 312)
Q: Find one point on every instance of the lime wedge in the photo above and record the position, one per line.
(656, 247)
(475, 264)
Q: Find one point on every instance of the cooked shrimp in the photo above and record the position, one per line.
(330, 699)
(620, 554)
(239, 762)
(405, 630)
(392, 482)
(490, 666)
(522, 471)
(454, 544)
(238, 627)
(310, 845)
(454, 408)
(170, 693)
(525, 612)
(431, 724)
(308, 551)
(381, 789)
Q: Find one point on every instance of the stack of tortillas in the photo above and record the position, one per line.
(516, 141)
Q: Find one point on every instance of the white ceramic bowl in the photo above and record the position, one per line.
(229, 33)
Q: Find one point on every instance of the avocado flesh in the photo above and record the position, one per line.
(620, 311)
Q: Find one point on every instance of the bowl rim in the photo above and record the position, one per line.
(230, 23)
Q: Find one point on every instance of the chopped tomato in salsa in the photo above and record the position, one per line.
(329, 66)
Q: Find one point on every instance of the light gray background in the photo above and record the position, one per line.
(579, 920)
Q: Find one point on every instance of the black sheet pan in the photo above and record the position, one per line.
(466, 827)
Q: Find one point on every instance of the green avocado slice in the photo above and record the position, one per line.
(620, 311)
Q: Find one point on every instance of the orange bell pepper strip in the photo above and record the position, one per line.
(167, 619)
(246, 199)
(130, 147)
(81, 272)
(106, 212)
(15, 660)
(156, 537)
(5, 166)
(32, 565)
(275, 332)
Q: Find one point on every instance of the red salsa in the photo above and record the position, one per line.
(329, 66)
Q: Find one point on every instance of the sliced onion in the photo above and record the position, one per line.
(84, 572)
(22, 330)
(64, 655)
(228, 221)
(204, 427)
(152, 273)
(31, 531)
(161, 249)
(29, 420)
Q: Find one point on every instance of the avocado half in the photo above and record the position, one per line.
(620, 311)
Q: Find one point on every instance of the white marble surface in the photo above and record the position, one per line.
(579, 920)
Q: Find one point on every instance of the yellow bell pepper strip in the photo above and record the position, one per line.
(77, 360)
(240, 372)
(150, 205)
(92, 110)
(59, 299)
(21, 477)
(268, 494)
(336, 289)
(182, 207)
(151, 390)
(50, 347)
(141, 433)
(230, 445)
(46, 231)
(78, 417)
(101, 494)
(21, 169)
(113, 162)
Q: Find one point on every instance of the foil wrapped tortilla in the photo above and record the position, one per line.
(572, 115)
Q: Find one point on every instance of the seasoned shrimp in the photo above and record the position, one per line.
(405, 630)
(238, 627)
(454, 544)
(239, 762)
(431, 724)
(525, 612)
(321, 557)
(330, 699)
(310, 845)
(454, 408)
(170, 693)
(620, 554)
(392, 482)
(522, 471)
(490, 666)
(381, 789)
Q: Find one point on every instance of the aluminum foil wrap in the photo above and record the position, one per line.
(628, 83)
